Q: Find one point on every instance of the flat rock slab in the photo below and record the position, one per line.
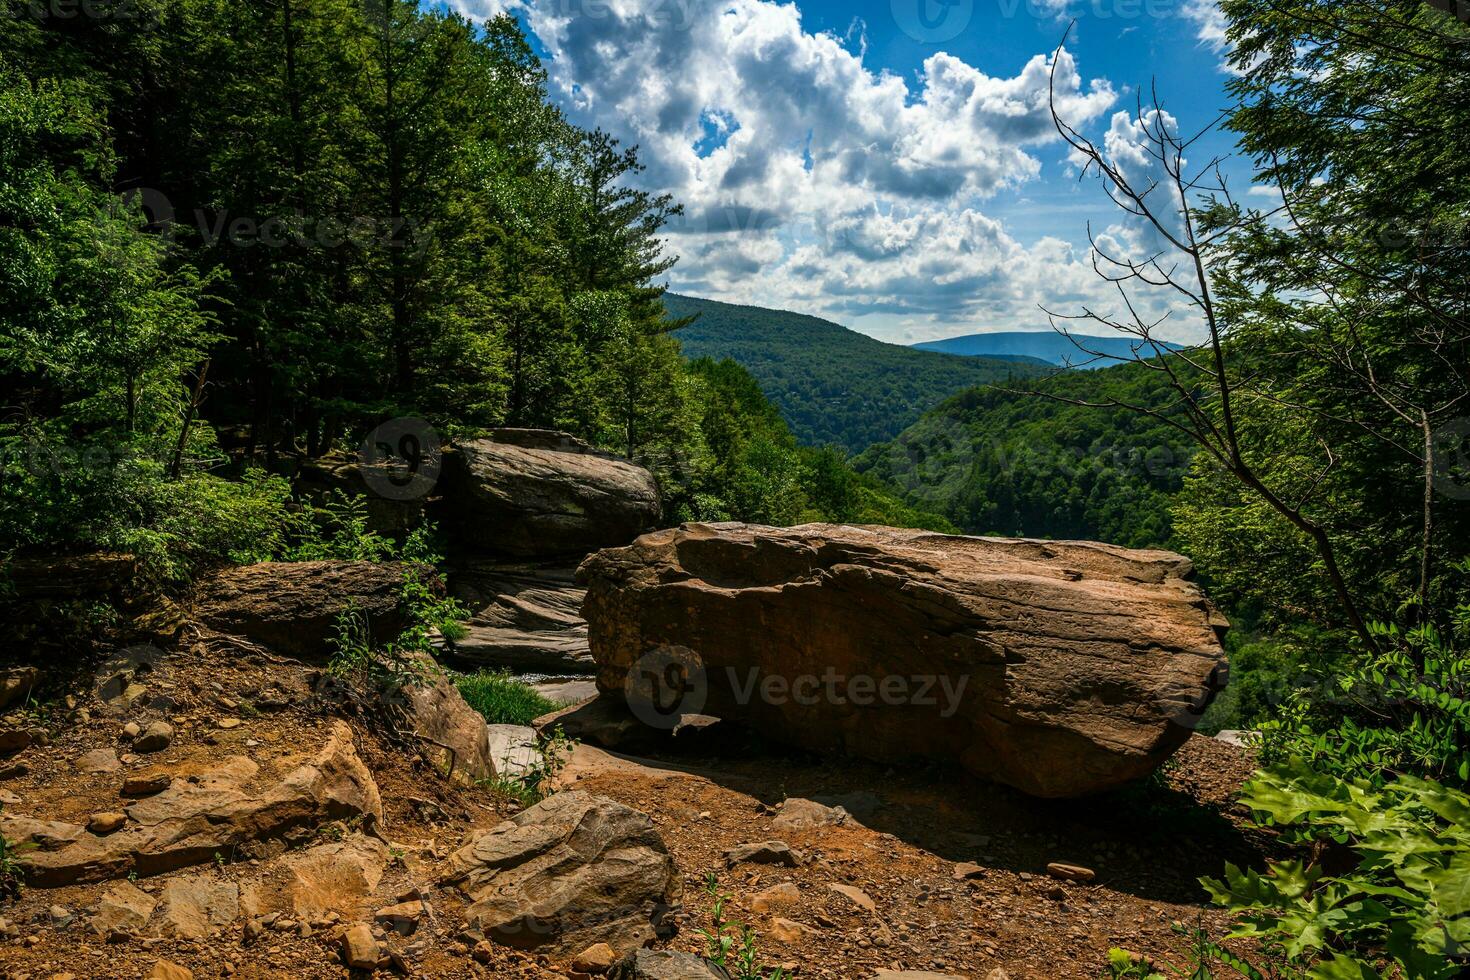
(196, 907)
(523, 617)
(513, 750)
(1061, 668)
(335, 877)
(566, 690)
(293, 607)
(666, 964)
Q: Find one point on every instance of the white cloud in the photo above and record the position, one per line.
(1210, 26)
(812, 181)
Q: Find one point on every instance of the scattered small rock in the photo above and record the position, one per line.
(359, 948)
(124, 909)
(800, 814)
(666, 964)
(968, 871)
(106, 823)
(856, 896)
(1070, 872)
(164, 970)
(99, 761)
(146, 785)
(777, 896)
(403, 918)
(787, 931)
(597, 958)
(765, 852)
(155, 738)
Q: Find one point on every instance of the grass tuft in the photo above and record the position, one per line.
(502, 699)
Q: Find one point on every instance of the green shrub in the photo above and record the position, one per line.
(12, 874)
(1406, 900)
(98, 497)
(502, 699)
(338, 529)
(1206, 956)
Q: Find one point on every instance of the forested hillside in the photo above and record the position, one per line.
(1011, 461)
(833, 385)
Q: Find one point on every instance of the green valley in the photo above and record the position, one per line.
(833, 385)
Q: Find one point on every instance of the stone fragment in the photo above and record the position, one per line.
(763, 852)
(572, 871)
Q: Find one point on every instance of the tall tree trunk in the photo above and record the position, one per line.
(131, 409)
(176, 469)
(1427, 544)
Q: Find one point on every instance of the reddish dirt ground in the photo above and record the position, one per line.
(1147, 845)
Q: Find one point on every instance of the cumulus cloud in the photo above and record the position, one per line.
(812, 181)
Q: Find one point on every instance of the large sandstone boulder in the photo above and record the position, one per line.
(572, 871)
(530, 493)
(293, 607)
(229, 811)
(1061, 668)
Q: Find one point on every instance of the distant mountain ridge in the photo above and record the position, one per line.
(1043, 345)
(834, 385)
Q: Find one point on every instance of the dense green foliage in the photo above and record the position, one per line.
(1348, 308)
(1404, 708)
(1407, 895)
(1011, 461)
(237, 236)
(1399, 909)
(834, 386)
(1332, 496)
(760, 473)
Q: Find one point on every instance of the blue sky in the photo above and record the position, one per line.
(889, 164)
